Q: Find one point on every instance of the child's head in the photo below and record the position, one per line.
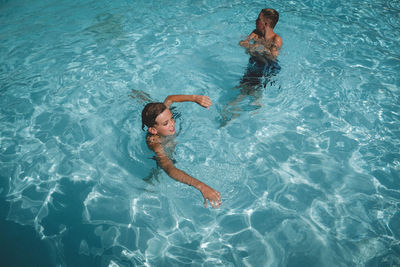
(269, 16)
(158, 119)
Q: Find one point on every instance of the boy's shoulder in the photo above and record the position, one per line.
(277, 41)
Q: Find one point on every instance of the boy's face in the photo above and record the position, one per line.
(165, 124)
(260, 23)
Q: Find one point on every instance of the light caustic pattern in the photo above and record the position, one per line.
(308, 167)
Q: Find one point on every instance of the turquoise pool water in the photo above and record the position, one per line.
(308, 167)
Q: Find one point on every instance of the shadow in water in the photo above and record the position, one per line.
(21, 244)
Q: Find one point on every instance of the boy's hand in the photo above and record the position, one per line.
(213, 196)
(203, 101)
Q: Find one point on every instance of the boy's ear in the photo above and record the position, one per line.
(152, 130)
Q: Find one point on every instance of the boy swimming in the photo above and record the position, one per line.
(263, 46)
(263, 43)
(160, 124)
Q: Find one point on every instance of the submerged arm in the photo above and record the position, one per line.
(166, 164)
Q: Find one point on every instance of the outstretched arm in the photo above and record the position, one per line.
(166, 164)
(199, 99)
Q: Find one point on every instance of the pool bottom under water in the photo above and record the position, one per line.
(307, 166)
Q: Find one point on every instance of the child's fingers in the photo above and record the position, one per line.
(206, 101)
(214, 198)
(212, 202)
(216, 201)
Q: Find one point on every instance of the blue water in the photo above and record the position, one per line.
(308, 167)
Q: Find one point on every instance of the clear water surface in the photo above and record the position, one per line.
(308, 167)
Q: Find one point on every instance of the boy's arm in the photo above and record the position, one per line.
(246, 43)
(277, 46)
(166, 164)
(199, 99)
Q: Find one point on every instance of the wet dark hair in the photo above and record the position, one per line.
(271, 15)
(150, 113)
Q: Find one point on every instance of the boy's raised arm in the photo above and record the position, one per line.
(202, 100)
(166, 164)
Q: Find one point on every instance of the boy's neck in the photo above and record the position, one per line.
(269, 33)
